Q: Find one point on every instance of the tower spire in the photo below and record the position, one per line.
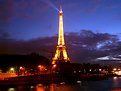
(61, 8)
(61, 54)
(61, 33)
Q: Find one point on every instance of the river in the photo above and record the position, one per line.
(111, 84)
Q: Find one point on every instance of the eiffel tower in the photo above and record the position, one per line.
(61, 53)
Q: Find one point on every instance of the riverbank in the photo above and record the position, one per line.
(51, 78)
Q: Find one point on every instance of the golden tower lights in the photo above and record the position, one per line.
(61, 54)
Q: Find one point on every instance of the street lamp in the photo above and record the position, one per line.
(12, 70)
(54, 65)
(53, 68)
(22, 70)
(41, 68)
(114, 69)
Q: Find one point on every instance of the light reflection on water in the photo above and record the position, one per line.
(111, 84)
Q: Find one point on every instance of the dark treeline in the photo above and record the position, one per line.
(16, 60)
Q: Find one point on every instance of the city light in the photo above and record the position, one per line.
(39, 66)
(54, 65)
(100, 69)
(114, 69)
(22, 71)
(12, 70)
(21, 67)
(41, 69)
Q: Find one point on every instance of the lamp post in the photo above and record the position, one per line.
(12, 70)
(54, 68)
(22, 70)
(41, 69)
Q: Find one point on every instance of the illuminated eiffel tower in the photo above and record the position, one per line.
(61, 54)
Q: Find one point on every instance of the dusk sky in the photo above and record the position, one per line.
(92, 28)
(28, 19)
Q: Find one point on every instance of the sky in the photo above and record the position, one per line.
(31, 19)
(92, 28)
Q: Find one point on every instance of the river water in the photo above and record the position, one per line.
(110, 84)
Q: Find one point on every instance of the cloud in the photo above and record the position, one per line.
(44, 46)
(81, 47)
(4, 34)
